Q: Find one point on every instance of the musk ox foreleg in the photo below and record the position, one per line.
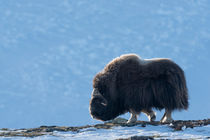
(150, 114)
(167, 117)
(133, 117)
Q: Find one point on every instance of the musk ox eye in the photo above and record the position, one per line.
(102, 93)
(103, 90)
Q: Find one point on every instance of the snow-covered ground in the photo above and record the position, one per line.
(126, 132)
(156, 132)
(50, 51)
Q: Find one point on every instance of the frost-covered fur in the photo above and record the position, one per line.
(131, 84)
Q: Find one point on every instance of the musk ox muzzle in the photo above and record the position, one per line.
(97, 105)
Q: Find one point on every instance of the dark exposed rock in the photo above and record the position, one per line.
(138, 138)
(178, 125)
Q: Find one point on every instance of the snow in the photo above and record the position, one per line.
(51, 50)
(126, 132)
(157, 132)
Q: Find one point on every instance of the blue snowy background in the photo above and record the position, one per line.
(51, 50)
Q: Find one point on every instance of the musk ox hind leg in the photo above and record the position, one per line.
(150, 114)
(167, 117)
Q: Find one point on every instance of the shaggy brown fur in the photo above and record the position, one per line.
(131, 84)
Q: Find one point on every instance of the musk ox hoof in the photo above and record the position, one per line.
(132, 119)
(166, 120)
(167, 117)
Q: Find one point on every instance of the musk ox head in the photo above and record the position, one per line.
(103, 104)
(98, 106)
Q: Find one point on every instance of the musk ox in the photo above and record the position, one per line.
(132, 84)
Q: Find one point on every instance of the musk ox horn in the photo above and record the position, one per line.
(132, 84)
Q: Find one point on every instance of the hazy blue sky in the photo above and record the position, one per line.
(51, 50)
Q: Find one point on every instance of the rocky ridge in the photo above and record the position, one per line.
(177, 125)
